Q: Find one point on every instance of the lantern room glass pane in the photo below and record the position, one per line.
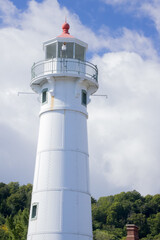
(51, 51)
(60, 49)
(79, 52)
(68, 53)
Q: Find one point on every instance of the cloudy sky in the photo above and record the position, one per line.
(124, 129)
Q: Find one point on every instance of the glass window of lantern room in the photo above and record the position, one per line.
(34, 211)
(68, 53)
(51, 51)
(79, 52)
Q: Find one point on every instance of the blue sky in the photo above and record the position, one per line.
(124, 131)
(97, 14)
(22, 5)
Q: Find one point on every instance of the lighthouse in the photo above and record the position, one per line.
(61, 200)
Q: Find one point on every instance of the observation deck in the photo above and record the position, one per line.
(64, 67)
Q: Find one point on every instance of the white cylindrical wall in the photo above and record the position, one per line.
(61, 180)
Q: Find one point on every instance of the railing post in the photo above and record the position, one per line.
(61, 63)
(66, 65)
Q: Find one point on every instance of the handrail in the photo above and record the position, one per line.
(64, 65)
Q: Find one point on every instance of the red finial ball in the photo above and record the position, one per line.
(65, 27)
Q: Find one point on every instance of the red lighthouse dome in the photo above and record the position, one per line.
(65, 27)
(65, 31)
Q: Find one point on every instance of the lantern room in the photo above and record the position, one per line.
(65, 46)
(65, 55)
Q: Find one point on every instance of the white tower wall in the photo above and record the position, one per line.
(61, 181)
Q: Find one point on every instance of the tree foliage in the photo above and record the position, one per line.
(109, 214)
(14, 210)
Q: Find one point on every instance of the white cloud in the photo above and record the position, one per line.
(123, 130)
(152, 9)
(132, 4)
(126, 6)
(119, 2)
(131, 41)
(127, 124)
(8, 12)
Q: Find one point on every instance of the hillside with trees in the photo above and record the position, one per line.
(110, 214)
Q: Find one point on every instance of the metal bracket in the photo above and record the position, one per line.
(99, 95)
(19, 93)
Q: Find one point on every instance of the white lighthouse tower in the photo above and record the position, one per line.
(61, 201)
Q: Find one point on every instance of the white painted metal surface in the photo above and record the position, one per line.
(61, 180)
(64, 67)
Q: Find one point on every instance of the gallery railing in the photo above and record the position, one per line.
(60, 66)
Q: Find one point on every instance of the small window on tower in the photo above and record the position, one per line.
(44, 95)
(84, 97)
(34, 211)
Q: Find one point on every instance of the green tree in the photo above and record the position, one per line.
(103, 235)
(118, 213)
(13, 187)
(19, 199)
(4, 232)
(154, 224)
(18, 225)
(4, 193)
(139, 220)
